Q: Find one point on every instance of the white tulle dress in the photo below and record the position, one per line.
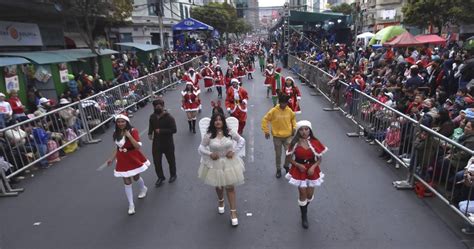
(223, 171)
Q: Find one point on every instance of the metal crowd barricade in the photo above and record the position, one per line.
(435, 164)
(42, 139)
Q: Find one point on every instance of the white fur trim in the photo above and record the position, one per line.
(121, 116)
(298, 112)
(190, 110)
(312, 198)
(298, 97)
(133, 172)
(302, 203)
(303, 123)
(305, 183)
(245, 101)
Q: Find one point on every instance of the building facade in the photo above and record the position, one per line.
(145, 27)
(378, 14)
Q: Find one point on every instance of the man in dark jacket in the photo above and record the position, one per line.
(161, 128)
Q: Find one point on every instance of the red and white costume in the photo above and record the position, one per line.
(236, 104)
(190, 102)
(269, 77)
(130, 161)
(307, 157)
(207, 75)
(241, 72)
(295, 95)
(194, 78)
(219, 79)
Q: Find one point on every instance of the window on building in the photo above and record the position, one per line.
(186, 11)
(126, 37)
(181, 10)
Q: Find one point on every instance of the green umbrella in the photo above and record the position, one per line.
(386, 34)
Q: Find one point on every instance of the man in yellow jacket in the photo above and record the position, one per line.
(283, 122)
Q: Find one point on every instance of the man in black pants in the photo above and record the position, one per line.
(161, 128)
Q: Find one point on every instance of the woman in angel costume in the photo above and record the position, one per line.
(236, 103)
(190, 104)
(221, 165)
(304, 154)
(130, 160)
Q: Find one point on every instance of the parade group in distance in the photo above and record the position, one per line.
(222, 146)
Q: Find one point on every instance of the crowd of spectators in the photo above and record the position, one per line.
(431, 84)
(34, 139)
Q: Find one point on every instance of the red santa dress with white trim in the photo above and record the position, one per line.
(190, 102)
(207, 74)
(295, 95)
(307, 157)
(130, 161)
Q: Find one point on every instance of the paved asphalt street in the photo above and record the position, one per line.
(76, 206)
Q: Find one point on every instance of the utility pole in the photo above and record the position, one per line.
(159, 11)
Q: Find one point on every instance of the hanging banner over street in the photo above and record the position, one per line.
(19, 34)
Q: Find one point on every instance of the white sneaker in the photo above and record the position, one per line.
(397, 165)
(389, 160)
(131, 210)
(142, 193)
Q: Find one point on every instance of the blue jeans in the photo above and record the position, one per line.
(43, 150)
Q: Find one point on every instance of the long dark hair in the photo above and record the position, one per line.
(117, 136)
(212, 128)
(297, 137)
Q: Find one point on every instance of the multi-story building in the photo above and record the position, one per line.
(378, 14)
(252, 14)
(145, 27)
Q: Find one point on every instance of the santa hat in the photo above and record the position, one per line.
(290, 78)
(122, 116)
(278, 70)
(410, 60)
(191, 69)
(234, 80)
(303, 123)
(270, 65)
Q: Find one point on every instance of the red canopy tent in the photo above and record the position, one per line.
(431, 39)
(404, 40)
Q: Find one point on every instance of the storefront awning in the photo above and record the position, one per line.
(41, 57)
(83, 53)
(56, 56)
(8, 61)
(139, 46)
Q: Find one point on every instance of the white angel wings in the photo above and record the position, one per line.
(232, 123)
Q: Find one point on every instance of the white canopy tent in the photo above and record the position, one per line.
(365, 37)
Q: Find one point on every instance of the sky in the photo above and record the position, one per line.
(264, 3)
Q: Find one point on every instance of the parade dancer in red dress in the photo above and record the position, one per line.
(190, 104)
(229, 75)
(193, 77)
(219, 80)
(130, 160)
(236, 103)
(241, 71)
(269, 78)
(304, 154)
(208, 76)
(294, 93)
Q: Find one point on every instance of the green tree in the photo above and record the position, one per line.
(438, 12)
(85, 15)
(221, 16)
(343, 8)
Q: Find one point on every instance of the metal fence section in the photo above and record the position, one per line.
(435, 164)
(44, 139)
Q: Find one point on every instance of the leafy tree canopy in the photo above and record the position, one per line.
(438, 12)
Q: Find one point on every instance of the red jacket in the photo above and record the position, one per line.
(16, 105)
